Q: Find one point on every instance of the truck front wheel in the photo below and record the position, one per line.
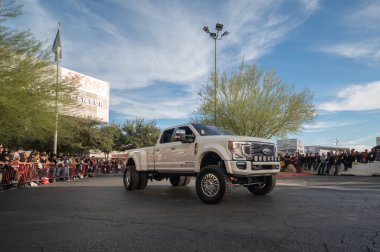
(131, 178)
(212, 184)
(266, 186)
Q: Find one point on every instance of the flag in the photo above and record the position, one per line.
(57, 46)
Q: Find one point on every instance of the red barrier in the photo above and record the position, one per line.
(24, 173)
(8, 176)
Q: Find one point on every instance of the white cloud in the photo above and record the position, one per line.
(257, 27)
(311, 5)
(42, 23)
(359, 50)
(359, 144)
(367, 16)
(361, 97)
(131, 108)
(325, 125)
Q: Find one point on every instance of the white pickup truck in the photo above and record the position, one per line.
(216, 158)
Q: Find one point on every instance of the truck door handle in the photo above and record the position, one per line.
(172, 148)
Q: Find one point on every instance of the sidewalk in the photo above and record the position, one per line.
(358, 169)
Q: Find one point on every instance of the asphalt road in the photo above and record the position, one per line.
(315, 213)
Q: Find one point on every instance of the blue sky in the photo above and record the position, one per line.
(156, 56)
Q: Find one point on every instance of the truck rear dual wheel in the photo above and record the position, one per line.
(143, 181)
(212, 184)
(265, 187)
(134, 180)
(180, 180)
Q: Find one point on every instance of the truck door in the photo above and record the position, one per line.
(163, 158)
(184, 151)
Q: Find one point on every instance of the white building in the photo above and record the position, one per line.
(94, 95)
(290, 146)
(324, 149)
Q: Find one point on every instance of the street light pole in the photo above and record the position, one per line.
(215, 36)
(336, 143)
(215, 84)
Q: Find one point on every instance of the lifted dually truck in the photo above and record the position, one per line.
(216, 158)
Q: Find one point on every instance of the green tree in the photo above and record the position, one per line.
(253, 102)
(27, 85)
(78, 135)
(108, 134)
(139, 133)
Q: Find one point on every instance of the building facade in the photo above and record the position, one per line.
(377, 141)
(324, 149)
(290, 146)
(94, 95)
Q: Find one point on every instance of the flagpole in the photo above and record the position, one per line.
(57, 57)
(56, 111)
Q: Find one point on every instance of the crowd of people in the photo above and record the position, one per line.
(326, 163)
(55, 167)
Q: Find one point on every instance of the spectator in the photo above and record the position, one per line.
(42, 172)
(53, 166)
(330, 160)
(322, 164)
(364, 156)
(317, 161)
(31, 158)
(66, 163)
(372, 156)
(60, 169)
(287, 160)
(4, 154)
(21, 153)
(338, 162)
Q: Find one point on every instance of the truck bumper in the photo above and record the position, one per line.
(248, 169)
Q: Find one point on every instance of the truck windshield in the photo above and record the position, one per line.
(207, 130)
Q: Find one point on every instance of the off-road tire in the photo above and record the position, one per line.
(212, 184)
(143, 181)
(177, 180)
(131, 178)
(186, 181)
(267, 187)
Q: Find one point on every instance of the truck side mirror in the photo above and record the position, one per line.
(180, 135)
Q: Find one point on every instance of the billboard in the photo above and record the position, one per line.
(93, 95)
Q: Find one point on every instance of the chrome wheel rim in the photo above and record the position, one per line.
(127, 179)
(210, 185)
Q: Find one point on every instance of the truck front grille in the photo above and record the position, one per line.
(263, 152)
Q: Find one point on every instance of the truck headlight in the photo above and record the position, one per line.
(239, 150)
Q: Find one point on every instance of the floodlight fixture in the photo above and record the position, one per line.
(219, 27)
(205, 28)
(225, 34)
